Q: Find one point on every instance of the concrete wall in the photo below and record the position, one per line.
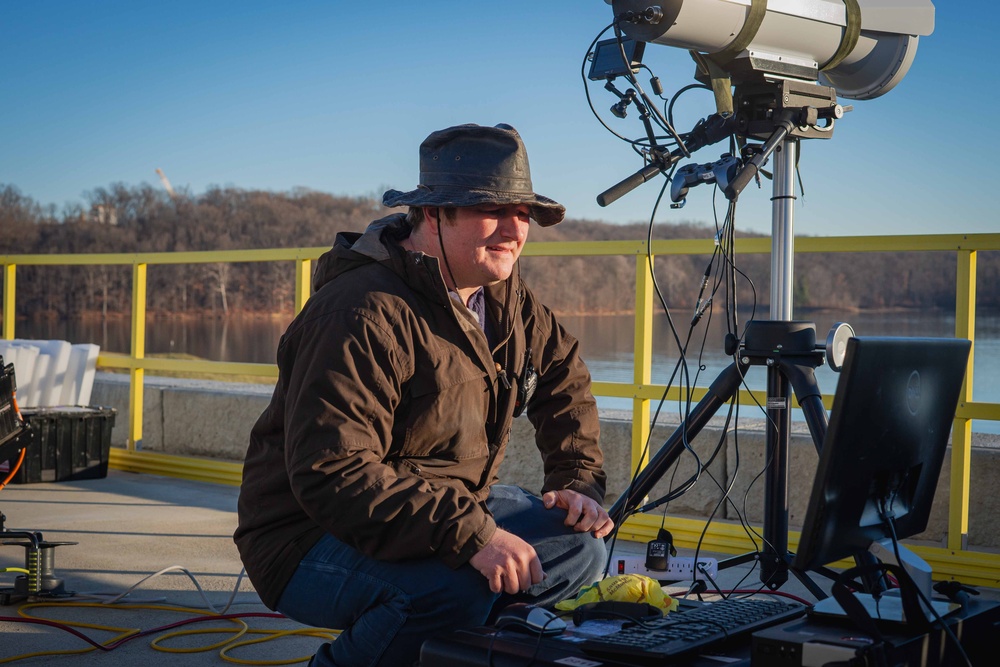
(213, 419)
(186, 417)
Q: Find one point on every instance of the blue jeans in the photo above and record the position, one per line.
(387, 610)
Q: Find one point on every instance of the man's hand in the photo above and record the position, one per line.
(509, 563)
(582, 512)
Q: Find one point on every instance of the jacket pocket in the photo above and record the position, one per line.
(446, 420)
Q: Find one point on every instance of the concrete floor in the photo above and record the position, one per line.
(129, 526)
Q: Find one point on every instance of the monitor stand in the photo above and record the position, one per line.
(886, 608)
(889, 605)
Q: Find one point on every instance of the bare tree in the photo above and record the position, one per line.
(219, 274)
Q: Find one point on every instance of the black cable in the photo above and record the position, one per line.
(676, 96)
(888, 518)
(727, 240)
(726, 498)
(734, 409)
(689, 483)
(540, 634)
(747, 528)
(657, 116)
(680, 364)
(727, 278)
(638, 145)
(586, 89)
(677, 492)
(682, 359)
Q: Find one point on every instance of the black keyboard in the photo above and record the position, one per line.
(697, 629)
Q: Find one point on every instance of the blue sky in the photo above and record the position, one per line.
(336, 97)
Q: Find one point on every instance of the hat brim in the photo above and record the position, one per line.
(543, 210)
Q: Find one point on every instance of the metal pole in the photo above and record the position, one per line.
(774, 567)
(783, 230)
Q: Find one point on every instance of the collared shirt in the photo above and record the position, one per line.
(477, 304)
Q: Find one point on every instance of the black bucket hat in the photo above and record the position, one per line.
(469, 165)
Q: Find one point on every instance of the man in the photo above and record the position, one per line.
(369, 500)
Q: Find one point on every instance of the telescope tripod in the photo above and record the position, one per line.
(779, 113)
(789, 352)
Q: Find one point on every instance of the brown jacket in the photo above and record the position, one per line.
(390, 416)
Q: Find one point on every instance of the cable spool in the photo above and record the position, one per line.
(39, 561)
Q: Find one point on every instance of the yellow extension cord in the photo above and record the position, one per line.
(225, 646)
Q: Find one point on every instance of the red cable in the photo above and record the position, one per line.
(54, 624)
(189, 621)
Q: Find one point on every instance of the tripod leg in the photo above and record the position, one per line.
(803, 379)
(810, 585)
(774, 555)
(720, 392)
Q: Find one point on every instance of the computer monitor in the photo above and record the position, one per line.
(883, 450)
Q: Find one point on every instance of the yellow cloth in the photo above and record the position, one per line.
(623, 588)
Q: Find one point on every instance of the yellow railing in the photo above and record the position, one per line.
(955, 561)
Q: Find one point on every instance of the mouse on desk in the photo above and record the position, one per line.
(530, 618)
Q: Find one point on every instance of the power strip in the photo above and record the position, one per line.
(678, 568)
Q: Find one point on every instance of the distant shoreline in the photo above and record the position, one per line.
(234, 314)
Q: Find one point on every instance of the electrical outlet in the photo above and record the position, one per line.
(678, 568)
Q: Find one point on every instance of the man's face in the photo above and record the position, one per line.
(484, 242)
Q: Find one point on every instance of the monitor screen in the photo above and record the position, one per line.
(608, 62)
(888, 432)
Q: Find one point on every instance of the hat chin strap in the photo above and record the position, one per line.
(444, 255)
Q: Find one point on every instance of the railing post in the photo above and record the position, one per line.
(9, 283)
(303, 270)
(137, 374)
(961, 433)
(643, 356)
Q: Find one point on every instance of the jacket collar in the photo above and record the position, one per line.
(379, 243)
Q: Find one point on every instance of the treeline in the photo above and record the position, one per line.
(123, 219)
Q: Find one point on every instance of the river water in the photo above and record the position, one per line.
(606, 341)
